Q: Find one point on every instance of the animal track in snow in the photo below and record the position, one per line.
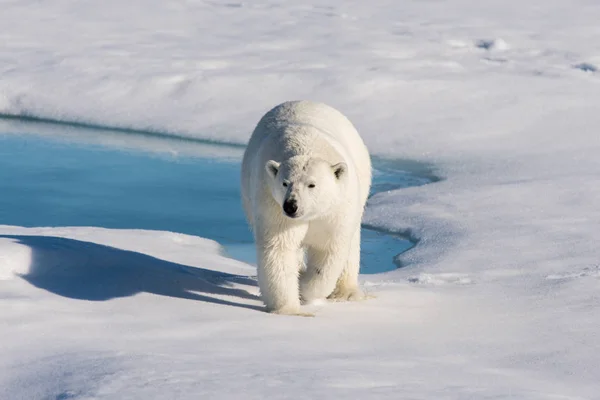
(441, 279)
(593, 272)
(586, 67)
(491, 44)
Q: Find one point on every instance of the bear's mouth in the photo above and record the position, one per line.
(296, 214)
(293, 215)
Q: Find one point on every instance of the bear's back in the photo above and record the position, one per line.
(302, 112)
(324, 118)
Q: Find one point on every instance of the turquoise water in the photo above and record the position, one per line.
(72, 176)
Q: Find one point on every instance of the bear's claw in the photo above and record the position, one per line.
(349, 295)
(290, 311)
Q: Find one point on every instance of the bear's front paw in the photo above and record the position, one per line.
(354, 294)
(295, 311)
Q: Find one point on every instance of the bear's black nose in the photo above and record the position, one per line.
(290, 207)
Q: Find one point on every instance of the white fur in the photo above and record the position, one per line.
(298, 144)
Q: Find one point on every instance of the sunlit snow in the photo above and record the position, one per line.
(498, 299)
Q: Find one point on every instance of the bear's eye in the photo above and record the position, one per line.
(285, 184)
(311, 185)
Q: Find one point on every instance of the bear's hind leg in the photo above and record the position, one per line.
(323, 269)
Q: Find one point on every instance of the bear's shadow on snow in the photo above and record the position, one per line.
(94, 272)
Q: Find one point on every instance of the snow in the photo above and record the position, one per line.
(499, 299)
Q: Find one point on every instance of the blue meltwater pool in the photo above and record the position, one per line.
(64, 175)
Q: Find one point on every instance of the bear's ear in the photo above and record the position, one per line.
(272, 168)
(339, 169)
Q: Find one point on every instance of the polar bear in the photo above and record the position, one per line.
(306, 175)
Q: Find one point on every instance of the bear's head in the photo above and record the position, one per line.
(306, 188)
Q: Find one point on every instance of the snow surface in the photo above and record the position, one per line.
(499, 299)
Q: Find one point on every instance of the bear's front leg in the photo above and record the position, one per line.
(278, 267)
(324, 267)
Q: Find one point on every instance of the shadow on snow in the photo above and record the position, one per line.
(94, 272)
